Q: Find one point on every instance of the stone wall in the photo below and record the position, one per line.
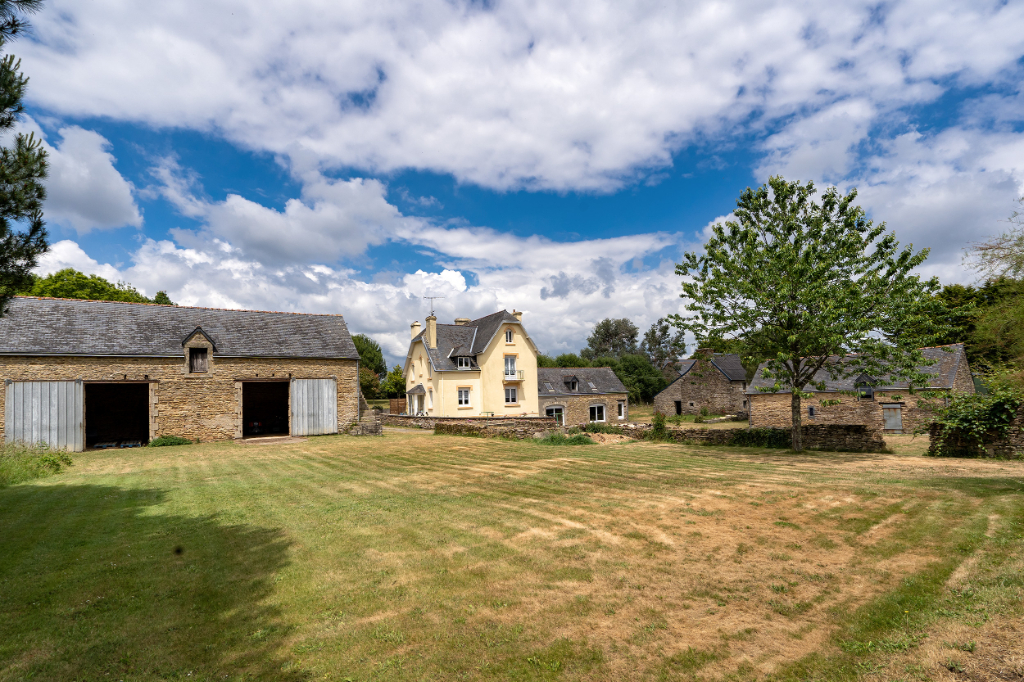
(1010, 446)
(703, 386)
(774, 409)
(576, 408)
(516, 430)
(833, 437)
(408, 422)
(201, 407)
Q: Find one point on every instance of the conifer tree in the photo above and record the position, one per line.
(23, 167)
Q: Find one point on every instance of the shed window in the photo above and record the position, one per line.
(197, 360)
(622, 409)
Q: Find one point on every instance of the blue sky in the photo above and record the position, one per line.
(355, 157)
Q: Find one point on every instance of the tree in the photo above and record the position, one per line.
(812, 287)
(70, 283)
(571, 360)
(23, 167)
(640, 377)
(611, 337)
(1002, 255)
(369, 383)
(663, 346)
(370, 354)
(546, 361)
(393, 385)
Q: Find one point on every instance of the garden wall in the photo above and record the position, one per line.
(534, 424)
(830, 437)
(1011, 446)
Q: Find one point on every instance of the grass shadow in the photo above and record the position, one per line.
(97, 583)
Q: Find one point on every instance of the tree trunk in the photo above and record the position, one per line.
(795, 404)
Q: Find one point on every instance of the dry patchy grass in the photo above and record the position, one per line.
(416, 556)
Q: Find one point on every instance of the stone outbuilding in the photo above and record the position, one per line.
(877, 403)
(716, 381)
(84, 374)
(575, 396)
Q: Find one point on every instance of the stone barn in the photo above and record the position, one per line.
(87, 374)
(716, 381)
(575, 396)
(875, 402)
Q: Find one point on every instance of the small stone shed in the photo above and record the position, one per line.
(83, 374)
(877, 403)
(716, 381)
(574, 396)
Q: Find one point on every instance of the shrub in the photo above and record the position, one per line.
(599, 427)
(559, 439)
(972, 420)
(658, 426)
(762, 438)
(169, 440)
(19, 463)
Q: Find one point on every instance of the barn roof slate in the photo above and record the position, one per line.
(941, 374)
(55, 326)
(727, 363)
(602, 378)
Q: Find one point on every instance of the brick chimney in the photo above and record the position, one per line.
(432, 331)
(462, 321)
(518, 314)
(415, 328)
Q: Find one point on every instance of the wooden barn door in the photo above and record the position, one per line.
(314, 407)
(50, 412)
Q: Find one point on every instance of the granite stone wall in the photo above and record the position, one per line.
(410, 422)
(774, 409)
(576, 408)
(703, 386)
(830, 437)
(1010, 446)
(202, 407)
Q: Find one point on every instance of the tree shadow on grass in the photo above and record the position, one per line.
(97, 583)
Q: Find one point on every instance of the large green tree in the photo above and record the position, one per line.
(812, 287)
(70, 283)
(664, 346)
(611, 337)
(23, 167)
(370, 354)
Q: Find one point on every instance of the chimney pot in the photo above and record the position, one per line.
(415, 326)
(462, 321)
(518, 314)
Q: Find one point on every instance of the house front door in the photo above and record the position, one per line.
(892, 418)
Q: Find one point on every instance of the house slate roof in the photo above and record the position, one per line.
(941, 374)
(56, 326)
(603, 379)
(465, 340)
(727, 363)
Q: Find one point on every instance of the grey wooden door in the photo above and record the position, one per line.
(314, 406)
(892, 417)
(49, 412)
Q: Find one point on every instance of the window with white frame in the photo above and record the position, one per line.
(465, 363)
(511, 396)
(509, 336)
(597, 413)
(463, 397)
(622, 409)
(510, 365)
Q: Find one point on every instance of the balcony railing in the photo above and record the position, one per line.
(515, 375)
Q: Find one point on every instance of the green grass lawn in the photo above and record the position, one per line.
(422, 557)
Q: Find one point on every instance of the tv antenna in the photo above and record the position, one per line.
(432, 299)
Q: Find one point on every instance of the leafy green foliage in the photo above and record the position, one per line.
(369, 383)
(546, 361)
(370, 354)
(20, 463)
(164, 441)
(571, 360)
(642, 380)
(762, 438)
(611, 337)
(393, 385)
(602, 427)
(23, 167)
(658, 426)
(663, 345)
(972, 420)
(801, 283)
(559, 439)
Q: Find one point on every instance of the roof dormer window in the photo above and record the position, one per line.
(573, 384)
(464, 363)
(198, 360)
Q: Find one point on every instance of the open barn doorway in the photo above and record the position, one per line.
(116, 415)
(265, 408)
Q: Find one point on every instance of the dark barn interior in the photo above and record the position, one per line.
(116, 415)
(264, 408)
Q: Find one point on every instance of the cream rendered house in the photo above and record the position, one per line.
(473, 368)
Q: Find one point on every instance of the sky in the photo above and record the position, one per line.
(554, 158)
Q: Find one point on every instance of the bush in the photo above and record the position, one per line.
(763, 438)
(658, 426)
(559, 439)
(973, 420)
(169, 440)
(19, 463)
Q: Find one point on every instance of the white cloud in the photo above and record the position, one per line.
(84, 189)
(333, 219)
(573, 95)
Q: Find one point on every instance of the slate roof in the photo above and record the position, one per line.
(55, 326)
(727, 363)
(466, 340)
(602, 378)
(941, 374)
